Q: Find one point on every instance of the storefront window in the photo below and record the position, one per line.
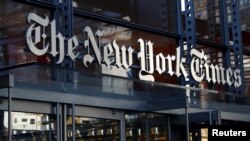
(141, 126)
(136, 127)
(89, 129)
(158, 14)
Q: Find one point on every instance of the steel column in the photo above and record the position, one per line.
(187, 119)
(179, 29)
(188, 40)
(9, 115)
(237, 43)
(58, 123)
(225, 35)
(122, 127)
(169, 128)
(64, 122)
(73, 114)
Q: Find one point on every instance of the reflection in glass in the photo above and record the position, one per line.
(159, 14)
(90, 129)
(28, 126)
(207, 16)
(123, 37)
(135, 127)
(140, 126)
(13, 50)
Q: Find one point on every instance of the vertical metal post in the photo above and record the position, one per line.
(180, 32)
(219, 117)
(237, 44)
(64, 122)
(169, 129)
(225, 34)
(73, 123)
(122, 127)
(147, 128)
(188, 37)
(9, 115)
(187, 118)
(50, 134)
(58, 125)
(210, 118)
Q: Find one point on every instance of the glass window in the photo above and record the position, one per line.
(123, 37)
(136, 125)
(32, 121)
(24, 119)
(159, 14)
(89, 129)
(207, 17)
(244, 13)
(13, 25)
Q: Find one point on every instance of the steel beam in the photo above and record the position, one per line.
(237, 44)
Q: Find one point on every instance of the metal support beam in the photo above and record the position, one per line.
(237, 44)
(225, 35)
(188, 39)
(64, 122)
(58, 123)
(179, 29)
(190, 24)
(122, 127)
(187, 119)
(147, 128)
(73, 114)
(169, 128)
(7, 81)
(9, 115)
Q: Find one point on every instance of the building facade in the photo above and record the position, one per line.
(85, 70)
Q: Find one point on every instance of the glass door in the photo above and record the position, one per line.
(94, 124)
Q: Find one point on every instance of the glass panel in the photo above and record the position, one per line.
(244, 13)
(207, 17)
(215, 57)
(245, 27)
(3, 125)
(28, 126)
(135, 127)
(159, 14)
(13, 25)
(90, 129)
(158, 127)
(124, 37)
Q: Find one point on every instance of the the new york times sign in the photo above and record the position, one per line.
(54, 44)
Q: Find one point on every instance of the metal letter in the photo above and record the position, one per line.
(91, 38)
(107, 52)
(31, 44)
(72, 44)
(117, 54)
(146, 59)
(160, 63)
(126, 63)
